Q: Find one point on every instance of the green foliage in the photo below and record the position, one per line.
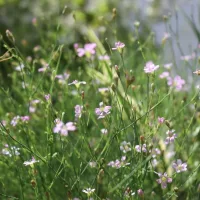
(71, 153)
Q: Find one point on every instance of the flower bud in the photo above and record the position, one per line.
(10, 36)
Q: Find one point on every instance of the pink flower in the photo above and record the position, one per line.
(15, 120)
(179, 166)
(43, 69)
(163, 180)
(177, 82)
(25, 118)
(62, 128)
(118, 46)
(78, 111)
(150, 67)
(164, 75)
(105, 57)
(88, 50)
(171, 136)
(47, 97)
(103, 111)
(62, 78)
(140, 192)
(161, 120)
(140, 148)
(118, 163)
(188, 57)
(155, 152)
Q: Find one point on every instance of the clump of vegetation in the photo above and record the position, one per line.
(98, 115)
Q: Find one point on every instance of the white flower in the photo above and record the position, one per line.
(88, 191)
(30, 162)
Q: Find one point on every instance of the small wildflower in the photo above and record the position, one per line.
(164, 75)
(179, 166)
(78, 111)
(105, 57)
(93, 164)
(62, 128)
(19, 67)
(168, 66)
(104, 131)
(177, 82)
(43, 69)
(15, 120)
(88, 191)
(77, 83)
(171, 136)
(118, 163)
(154, 162)
(155, 152)
(140, 149)
(188, 57)
(125, 147)
(150, 67)
(128, 193)
(62, 78)
(118, 46)
(88, 50)
(140, 192)
(30, 162)
(166, 36)
(163, 180)
(10, 151)
(103, 90)
(161, 120)
(103, 111)
(25, 118)
(32, 107)
(47, 97)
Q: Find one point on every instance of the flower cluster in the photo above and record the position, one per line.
(141, 148)
(62, 128)
(171, 136)
(10, 151)
(118, 163)
(18, 118)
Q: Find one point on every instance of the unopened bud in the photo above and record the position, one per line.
(113, 87)
(137, 24)
(114, 12)
(168, 124)
(10, 36)
(140, 193)
(129, 80)
(142, 138)
(100, 176)
(33, 183)
(82, 95)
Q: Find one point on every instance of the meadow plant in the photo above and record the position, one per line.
(97, 120)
